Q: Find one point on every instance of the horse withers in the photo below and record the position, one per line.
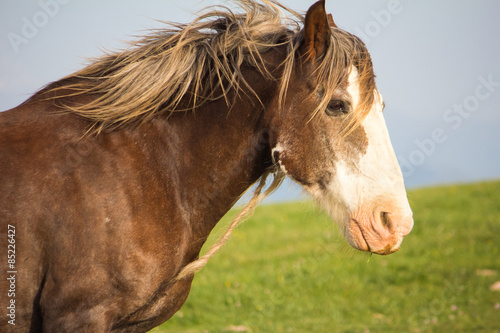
(113, 177)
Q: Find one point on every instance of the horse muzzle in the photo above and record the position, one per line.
(379, 231)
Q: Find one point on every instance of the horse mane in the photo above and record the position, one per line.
(183, 66)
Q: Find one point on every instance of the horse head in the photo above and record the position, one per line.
(330, 137)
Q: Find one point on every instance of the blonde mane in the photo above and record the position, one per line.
(186, 65)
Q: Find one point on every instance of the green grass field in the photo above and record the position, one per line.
(288, 269)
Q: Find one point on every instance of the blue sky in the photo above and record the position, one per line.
(437, 66)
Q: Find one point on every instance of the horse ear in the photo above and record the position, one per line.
(331, 22)
(316, 32)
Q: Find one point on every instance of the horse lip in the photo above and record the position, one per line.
(365, 246)
(389, 249)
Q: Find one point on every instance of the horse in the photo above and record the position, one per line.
(113, 177)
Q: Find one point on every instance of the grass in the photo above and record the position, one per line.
(288, 269)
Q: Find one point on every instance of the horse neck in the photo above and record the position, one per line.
(215, 153)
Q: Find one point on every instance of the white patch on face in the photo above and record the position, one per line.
(378, 173)
(356, 198)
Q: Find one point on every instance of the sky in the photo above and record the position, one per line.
(437, 65)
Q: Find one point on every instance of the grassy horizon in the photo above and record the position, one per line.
(288, 269)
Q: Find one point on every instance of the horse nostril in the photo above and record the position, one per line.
(386, 220)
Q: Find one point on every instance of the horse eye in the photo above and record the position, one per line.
(337, 108)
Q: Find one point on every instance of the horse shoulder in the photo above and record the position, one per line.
(112, 221)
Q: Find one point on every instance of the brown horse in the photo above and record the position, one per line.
(113, 177)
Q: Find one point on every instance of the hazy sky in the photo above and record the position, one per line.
(437, 65)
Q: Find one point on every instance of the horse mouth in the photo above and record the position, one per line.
(371, 240)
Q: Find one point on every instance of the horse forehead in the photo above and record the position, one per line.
(369, 127)
(353, 85)
(356, 142)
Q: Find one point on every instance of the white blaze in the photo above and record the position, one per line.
(373, 186)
